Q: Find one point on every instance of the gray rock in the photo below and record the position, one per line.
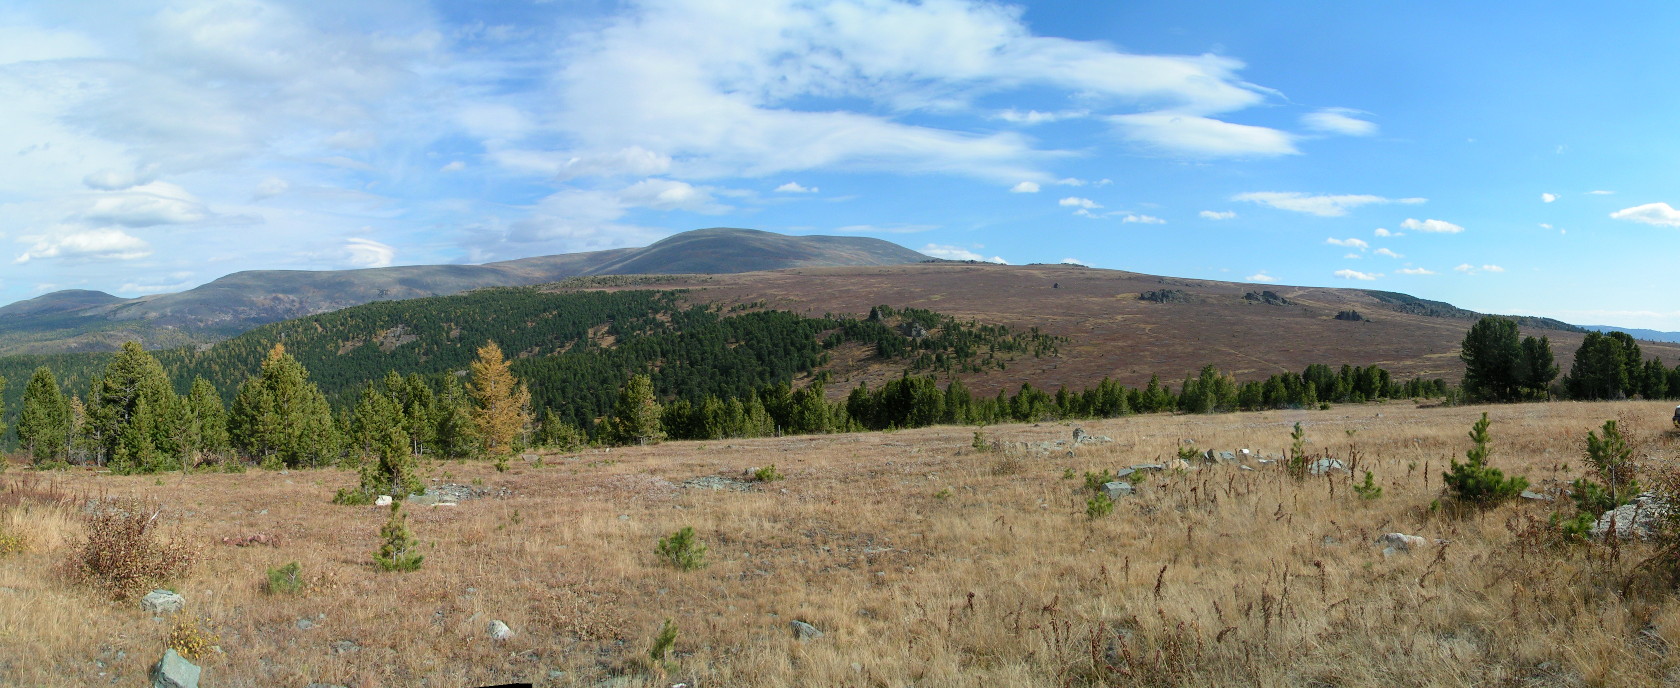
(804, 631)
(1149, 467)
(174, 671)
(305, 624)
(162, 602)
(498, 630)
(340, 647)
(1400, 542)
(1323, 466)
(1537, 496)
(1117, 489)
(1636, 519)
(1227, 457)
(1124, 473)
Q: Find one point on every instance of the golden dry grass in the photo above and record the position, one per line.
(1211, 577)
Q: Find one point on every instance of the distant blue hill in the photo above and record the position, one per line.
(1648, 335)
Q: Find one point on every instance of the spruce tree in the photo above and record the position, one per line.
(44, 422)
(635, 417)
(281, 418)
(501, 404)
(124, 408)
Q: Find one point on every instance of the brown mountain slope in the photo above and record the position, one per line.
(1114, 333)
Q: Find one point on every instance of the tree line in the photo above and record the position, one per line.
(1499, 366)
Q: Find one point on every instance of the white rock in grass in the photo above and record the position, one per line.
(498, 630)
(1400, 542)
(384, 500)
(804, 631)
(162, 602)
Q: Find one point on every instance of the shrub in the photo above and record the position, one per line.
(1099, 506)
(661, 646)
(285, 580)
(1189, 453)
(122, 553)
(352, 497)
(767, 474)
(12, 543)
(1095, 481)
(980, 444)
(682, 549)
(1612, 459)
(1299, 461)
(1474, 482)
(1368, 489)
(191, 640)
(398, 550)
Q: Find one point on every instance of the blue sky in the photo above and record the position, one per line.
(1505, 159)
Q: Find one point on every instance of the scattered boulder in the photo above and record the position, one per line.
(162, 602)
(804, 631)
(340, 647)
(1268, 297)
(1396, 543)
(305, 624)
(1323, 466)
(1117, 489)
(383, 500)
(913, 330)
(1350, 316)
(1226, 457)
(1082, 437)
(174, 671)
(1537, 496)
(498, 630)
(1148, 467)
(1636, 519)
(1164, 296)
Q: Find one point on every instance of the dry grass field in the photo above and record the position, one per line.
(923, 561)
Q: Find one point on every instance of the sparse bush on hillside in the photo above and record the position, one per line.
(1298, 460)
(192, 638)
(660, 648)
(682, 549)
(767, 474)
(122, 553)
(285, 580)
(1094, 481)
(1477, 484)
(1368, 489)
(1612, 459)
(398, 550)
(12, 543)
(1099, 506)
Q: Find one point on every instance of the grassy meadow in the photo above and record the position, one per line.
(923, 561)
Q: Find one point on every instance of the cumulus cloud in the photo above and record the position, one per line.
(1142, 219)
(669, 194)
(1385, 233)
(1024, 187)
(1386, 252)
(87, 244)
(957, 253)
(1073, 261)
(1342, 121)
(1355, 275)
(1492, 268)
(1415, 271)
(1218, 214)
(1348, 243)
(1260, 276)
(1077, 202)
(1320, 205)
(1198, 136)
(794, 187)
(367, 253)
(1548, 198)
(453, 166)
(1660, 214)
(1433, 226)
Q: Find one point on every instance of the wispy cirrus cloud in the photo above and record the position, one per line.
(1320, 205)
(1431, 226)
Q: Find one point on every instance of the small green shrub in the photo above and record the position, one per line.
(501, 463)
(682, 549)
(943, 494)
(1069, 474)
(1189, 453)
(980, 444)
(1574, 529)
(1368, 489)
(1298, 461)
(1095, 481)
(1099, 506)
(192, 640)
(398, 550)
(767, 474)
(352, 497)
(1474, 482)
(660, 648)
(286, 580)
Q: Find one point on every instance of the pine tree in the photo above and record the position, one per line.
(398, 550)
(1474, 482)
(281, 418)
(44, 423)
(635, 417)
(208, 416)
(501, 404)
(454, 435)
(123, 411)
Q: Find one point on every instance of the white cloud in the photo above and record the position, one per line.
(453, 166)
(1322, 206)
(1198, 136)
(1434, 226)
(1077, 202)
(1415, 271)
(1660, 214)
(156, 203)
(1355, 275)
(1385, 233)
(1353, 256)
(1260, 276)
(1348, 243)
(668, 194)
(1492, 268)
(1035, 117)
(1218, 214)
(1469, 269)
(1072, 181)
(1339, 121)
(367, 253)
(1600, 192)
(1386, 252)
(794, 187)
(1545, 225)
(1073, 261)
(1548, 198)
(1143, 219)
(88, 244)
(957, 253)
(1465, 268)
(1024, 187)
